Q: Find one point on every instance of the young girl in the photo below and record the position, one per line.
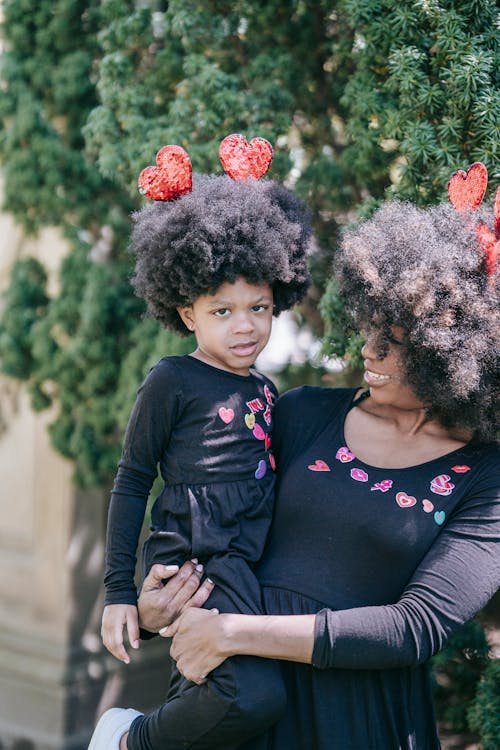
(217, 261)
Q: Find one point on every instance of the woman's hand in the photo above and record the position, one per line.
(160, 603)
(197, 643)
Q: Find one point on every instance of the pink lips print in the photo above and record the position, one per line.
(359, 475)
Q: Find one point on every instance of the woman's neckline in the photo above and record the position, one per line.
(358, 398)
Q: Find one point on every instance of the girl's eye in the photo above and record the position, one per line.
(222, 312)
(259, 308)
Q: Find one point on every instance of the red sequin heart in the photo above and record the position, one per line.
(467, 189)
(496, 212)
(171, 178)
(241, 159)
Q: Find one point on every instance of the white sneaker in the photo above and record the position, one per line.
(110, 728)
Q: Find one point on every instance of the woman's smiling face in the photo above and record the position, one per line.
(385, 375)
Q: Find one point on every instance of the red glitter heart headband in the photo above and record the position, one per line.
(173, 174)
(466, 191)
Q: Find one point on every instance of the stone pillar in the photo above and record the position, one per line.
(55, 677)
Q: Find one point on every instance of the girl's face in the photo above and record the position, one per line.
(231, 326)
(385, 376)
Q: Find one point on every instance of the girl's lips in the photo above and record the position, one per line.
(375, 378)
(244, 350)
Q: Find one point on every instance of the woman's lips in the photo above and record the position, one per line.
(375, 378)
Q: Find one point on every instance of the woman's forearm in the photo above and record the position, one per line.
(288, 637)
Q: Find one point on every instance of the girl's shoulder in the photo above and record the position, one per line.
(166, 367)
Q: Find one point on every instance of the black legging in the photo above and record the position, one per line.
(240, 699)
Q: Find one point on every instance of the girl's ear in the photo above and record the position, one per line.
(186, 315)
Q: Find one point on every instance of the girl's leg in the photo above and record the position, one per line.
(241, 698)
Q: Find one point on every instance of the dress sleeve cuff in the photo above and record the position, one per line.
(324, 639)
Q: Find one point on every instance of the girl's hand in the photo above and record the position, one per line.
(197, 643)
(114, 618)
(160, 603)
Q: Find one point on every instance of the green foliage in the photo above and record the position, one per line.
(424, 91)
(361, 99)
(25, 302)
(484, 713)
(457, 670)
(340, 340)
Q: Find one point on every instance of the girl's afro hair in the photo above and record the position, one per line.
(424, 270)
(219, 232)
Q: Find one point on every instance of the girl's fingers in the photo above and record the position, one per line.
(114, 643)
(133, 628)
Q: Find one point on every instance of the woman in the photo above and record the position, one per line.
(386, 529)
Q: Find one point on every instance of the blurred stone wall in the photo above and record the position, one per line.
(55, 678)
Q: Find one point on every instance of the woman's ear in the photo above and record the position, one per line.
(186, 315)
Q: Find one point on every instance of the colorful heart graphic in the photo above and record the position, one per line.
(261, 470)
(241, 159)
(441, 485)
(272, 461)
(344, 454)
(227, 415)
(462, 469)
(268, 394)
(171, 178)
(250, 421)
(258, 432)
(427, 506)
(267, 442)
(319, 465)
(383, 486)
(439, 517)
(467, 189)
(404, 500)
(359, 475)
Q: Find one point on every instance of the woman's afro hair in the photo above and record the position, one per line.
(221, 231)
(424, 270)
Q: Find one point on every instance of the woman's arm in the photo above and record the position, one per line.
(203, 639)
(456, 578)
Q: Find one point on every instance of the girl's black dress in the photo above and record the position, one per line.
(209, 431)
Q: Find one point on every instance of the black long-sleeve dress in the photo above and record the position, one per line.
(393, 560)
(209, 431)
